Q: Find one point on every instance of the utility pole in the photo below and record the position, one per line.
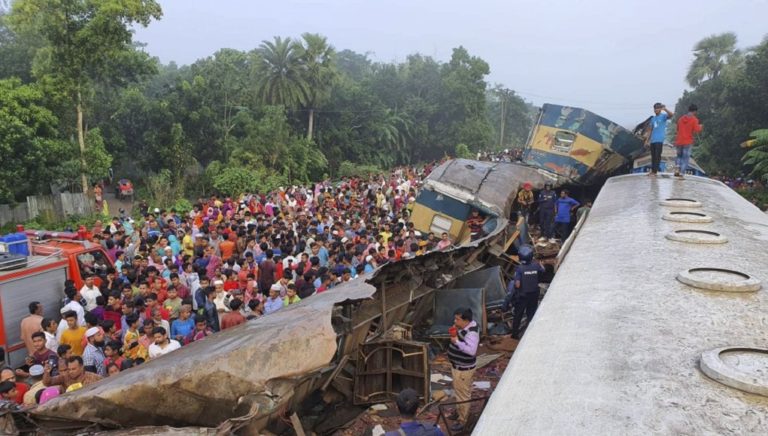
(502, 102)
(503, 94)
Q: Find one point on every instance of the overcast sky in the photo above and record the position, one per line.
(615, 58)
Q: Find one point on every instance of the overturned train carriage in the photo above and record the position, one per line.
(457, 186)
(246, 378)
(580, 145)
(654, 324)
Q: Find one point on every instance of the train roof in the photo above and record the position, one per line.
(616, 344)
(490, 186)
(668, 153)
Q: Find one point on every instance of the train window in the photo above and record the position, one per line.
(563, 141)
(440, 224)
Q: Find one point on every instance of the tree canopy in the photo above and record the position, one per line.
(730, 88)
(292, 109)
(79, 96)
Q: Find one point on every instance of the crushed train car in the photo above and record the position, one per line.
(245, 379)
(579, 145)
(454, 188)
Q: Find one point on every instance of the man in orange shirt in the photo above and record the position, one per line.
(687, 126)
(227, 246)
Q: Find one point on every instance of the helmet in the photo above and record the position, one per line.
(547, 185)
(525, 254)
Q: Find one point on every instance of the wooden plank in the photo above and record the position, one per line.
(335, 372)
(296, 422)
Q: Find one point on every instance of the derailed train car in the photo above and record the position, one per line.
(567, 145)
(247, 378)
(454, 188)
(654, 324)
(579, 145)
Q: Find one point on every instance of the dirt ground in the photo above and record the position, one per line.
(374, 422)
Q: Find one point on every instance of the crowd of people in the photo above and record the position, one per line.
(181, 277)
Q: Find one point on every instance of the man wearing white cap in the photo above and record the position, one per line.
(93, 356)
(36, 380)
(274, 301)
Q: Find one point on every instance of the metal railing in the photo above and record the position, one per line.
(38, 254)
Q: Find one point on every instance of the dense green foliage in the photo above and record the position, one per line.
(730, 88)
(757, 156)
(290, 110)
(78, 46)
(78, 95)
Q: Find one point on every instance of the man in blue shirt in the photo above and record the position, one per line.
(183, 326)
(658, 133)
(563, 208)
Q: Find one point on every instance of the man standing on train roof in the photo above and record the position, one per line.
(547, 199)
(658, 133)
(525, 288)
(461, 353)
(687, 126)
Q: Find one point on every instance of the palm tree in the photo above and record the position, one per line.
(711, 55)
(318, 59)
(280, 78)
(393, 132)
(757, 156)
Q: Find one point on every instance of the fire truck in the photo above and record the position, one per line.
(33, 267)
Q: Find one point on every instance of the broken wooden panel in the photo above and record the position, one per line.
(384, 368)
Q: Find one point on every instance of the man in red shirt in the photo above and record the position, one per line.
(687, 126)
(233, 318)
(153, 302)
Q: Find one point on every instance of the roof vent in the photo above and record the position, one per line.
(719, 279)
(743, 368)
(687, 217)
(680, 202)
(696, 236)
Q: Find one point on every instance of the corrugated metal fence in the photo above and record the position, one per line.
(51, 207)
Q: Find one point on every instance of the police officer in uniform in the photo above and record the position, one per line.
(546, 199)
(461, 353)
(525, 288)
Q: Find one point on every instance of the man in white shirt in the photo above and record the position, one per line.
(49, 329)
(162, 344)
(74, 305)
(90, 292)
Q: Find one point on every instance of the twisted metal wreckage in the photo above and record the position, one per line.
(238, 379)
(246, 379)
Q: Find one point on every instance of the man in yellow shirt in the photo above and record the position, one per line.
(385, 233)
(73, 335)
(290, 296)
